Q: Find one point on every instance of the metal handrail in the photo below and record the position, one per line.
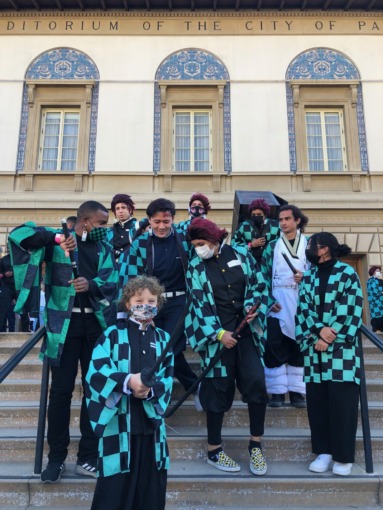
(20, 354)
(14, 360)
(378, 342)
(9, 366)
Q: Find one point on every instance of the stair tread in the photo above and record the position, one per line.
(200, 469)
(192, 433)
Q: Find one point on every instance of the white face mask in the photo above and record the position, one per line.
(378, 274)
(204, 252)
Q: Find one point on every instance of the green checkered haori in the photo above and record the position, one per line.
(109, 411)
(246, 230)
(375, 297)
(202, 322)
(135, 262)
(59, 294)
(342, 311)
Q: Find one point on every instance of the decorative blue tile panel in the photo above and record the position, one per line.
(61, 64)
(323, 64)
(192, 64)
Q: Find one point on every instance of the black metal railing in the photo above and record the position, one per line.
(16, 358)
(363, 397)
(9, 366)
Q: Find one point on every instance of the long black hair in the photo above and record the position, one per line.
(327, 239)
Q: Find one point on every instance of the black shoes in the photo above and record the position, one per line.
(52, 473)
(277, 400)
(297, 400)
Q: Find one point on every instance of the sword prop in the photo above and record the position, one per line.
(289, 263)
(212, 363)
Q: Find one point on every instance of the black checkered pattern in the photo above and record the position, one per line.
(59, 294)
(202, 322)
(108, 407)
(375, 297)
(342, 311)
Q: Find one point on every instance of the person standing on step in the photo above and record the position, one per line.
(163, 252)
(256, 232)
(77, 311)
(375, 297)
(125, 226)
(328, 320)
(7, 294)
(225, 283)
(283, 359)
(126, 415)
(199, 206)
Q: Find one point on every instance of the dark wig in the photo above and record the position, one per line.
(372, 269)
(261, 204)
(121, 198)
(202, 198)
(201, 228)
(326, 239)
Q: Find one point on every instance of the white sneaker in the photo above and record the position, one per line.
(342, 469)
(321, 463)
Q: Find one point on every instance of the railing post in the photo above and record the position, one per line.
(39, 451)
(364, 412)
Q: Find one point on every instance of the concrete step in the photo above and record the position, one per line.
(196, 485)
(23, 414)
(279, 444)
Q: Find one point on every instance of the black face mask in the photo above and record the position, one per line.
(257, 220)
(312, 256)
(197, 211)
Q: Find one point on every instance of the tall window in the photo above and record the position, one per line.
(325, 140)
(192, 141)
(59, 140)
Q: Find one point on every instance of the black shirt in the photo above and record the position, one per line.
(228, 282)
(121, 235)
(167, 263)
(142, 354)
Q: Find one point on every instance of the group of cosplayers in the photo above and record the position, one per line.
(257, 311)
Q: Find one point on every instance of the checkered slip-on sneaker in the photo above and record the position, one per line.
(86, 469)
(223, 462)
(258, 464)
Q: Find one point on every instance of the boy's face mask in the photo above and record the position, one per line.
(98, 233)
(143, 313)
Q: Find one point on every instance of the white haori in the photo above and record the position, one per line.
(285, 289)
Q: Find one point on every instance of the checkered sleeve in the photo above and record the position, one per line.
(375, 297)
(102, 380)
(201, 323)
(242, 236)
(307, 321)
(162, 389)
(347, 316)
(106, 279)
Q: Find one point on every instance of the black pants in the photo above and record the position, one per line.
(6, 297)
(77, 347)
(167, 320)
(377, 324)
(332, 409)
(280, 349)
(245, 368)
(143, 488)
